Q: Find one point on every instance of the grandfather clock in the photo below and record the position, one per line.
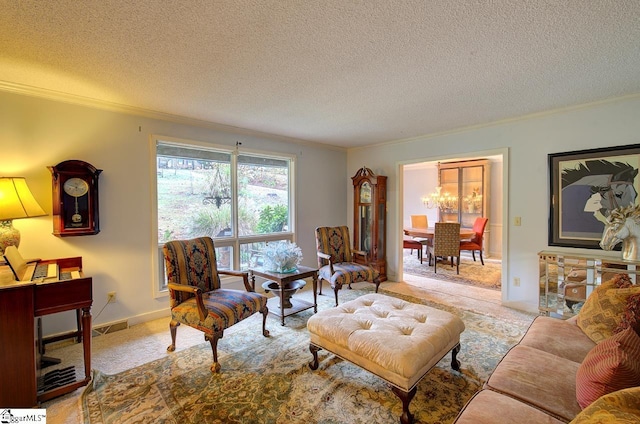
(370, 218)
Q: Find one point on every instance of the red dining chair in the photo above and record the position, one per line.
(476, 242)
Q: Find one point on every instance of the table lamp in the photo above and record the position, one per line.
(16, 201)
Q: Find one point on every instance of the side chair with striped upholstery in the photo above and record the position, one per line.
(339, 264)
(196, 297)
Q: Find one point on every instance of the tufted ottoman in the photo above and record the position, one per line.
(396, 340)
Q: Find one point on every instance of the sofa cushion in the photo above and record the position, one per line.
(631, 314)
(603, 309)
(621, 407)
(489, 407)
(539, 378)
(562, 338)
(613, 364)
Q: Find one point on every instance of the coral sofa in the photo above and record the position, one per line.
(570, 370)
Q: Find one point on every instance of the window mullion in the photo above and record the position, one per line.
(234, 210)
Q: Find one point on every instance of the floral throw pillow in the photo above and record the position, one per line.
(631, 315)
(604, 308)
(621, 407)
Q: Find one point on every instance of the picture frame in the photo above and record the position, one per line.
(585, 185)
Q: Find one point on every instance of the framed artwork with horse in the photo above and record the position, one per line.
(586, 186)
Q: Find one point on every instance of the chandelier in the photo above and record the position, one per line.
(439, 200)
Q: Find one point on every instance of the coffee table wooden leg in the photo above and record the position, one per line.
(406, 398)
(281, 285)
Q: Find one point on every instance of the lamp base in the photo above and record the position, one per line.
(9, 235)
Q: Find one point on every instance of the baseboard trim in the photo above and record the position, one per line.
(150, 316)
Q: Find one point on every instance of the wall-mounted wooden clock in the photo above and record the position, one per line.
(75, 198)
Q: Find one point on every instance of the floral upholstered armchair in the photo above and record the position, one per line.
(338, 263)
(196, 297)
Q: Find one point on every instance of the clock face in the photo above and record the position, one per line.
(76, 187)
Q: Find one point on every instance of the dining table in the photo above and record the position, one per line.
(427, 233)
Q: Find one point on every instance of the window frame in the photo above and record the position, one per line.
(234, 241)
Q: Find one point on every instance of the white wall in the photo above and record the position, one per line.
(527, 143)
(419, 181)
(36, 133)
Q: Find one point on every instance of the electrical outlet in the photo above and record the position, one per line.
(516, 281)
(517, 221)
(111, 297)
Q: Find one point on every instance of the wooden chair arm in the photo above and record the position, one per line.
(324, 256)
(243, 274)
(359, 256)
(202, 311)
(327, 257)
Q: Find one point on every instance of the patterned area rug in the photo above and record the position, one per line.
(267, 380)
(471, 273)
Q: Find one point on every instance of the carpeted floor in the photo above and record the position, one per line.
(268, 380)
(472, 273)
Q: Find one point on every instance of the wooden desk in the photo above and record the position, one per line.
(20, 304)
(282, 278)
(465, 233)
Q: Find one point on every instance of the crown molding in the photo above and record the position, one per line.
(74, 99)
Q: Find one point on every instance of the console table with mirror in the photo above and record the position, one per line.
(567, 279)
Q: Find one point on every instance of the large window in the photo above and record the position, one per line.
(241, 199)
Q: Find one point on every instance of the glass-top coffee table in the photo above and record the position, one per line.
(277, 305)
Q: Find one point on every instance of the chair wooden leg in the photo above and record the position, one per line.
(320, 285)
(473, 253)
(173, 328)
(457, 264)
(481, 260)
(377, 283)
(213, 340)
(264, 312)
(335, 290)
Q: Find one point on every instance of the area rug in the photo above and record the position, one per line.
(487, 276)
(267, 380)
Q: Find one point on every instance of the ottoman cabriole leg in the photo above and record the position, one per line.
(406, 398)
(455, 364)
(314, 351)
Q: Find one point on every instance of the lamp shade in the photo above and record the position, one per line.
(16, 200)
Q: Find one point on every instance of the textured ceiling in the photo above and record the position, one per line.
(342, 72)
